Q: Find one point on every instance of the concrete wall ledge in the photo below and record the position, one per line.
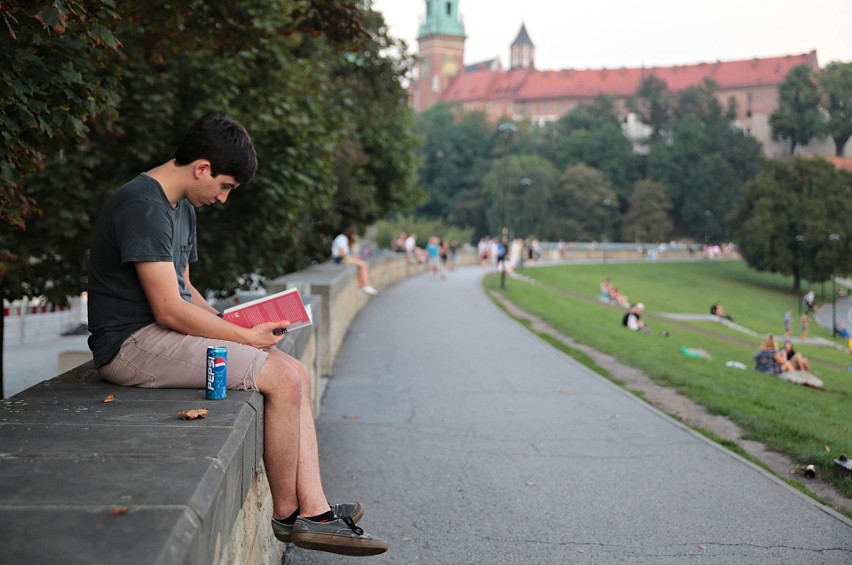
(70, 462)
(85, 481)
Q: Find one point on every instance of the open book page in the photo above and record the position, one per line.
(285, 305)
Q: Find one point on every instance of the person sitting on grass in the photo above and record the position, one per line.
(768, 359)
(619, 297)
(632, 320)
(340, 254)
(606, 288)
(796, 359)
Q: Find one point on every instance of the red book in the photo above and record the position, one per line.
(285, 305)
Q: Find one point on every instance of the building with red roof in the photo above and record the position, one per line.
(524, 92)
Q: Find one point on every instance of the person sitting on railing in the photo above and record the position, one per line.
(340, 254)
(150, 327)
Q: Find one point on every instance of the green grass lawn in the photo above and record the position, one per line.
(810, 426)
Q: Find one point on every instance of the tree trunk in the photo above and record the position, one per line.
(839, 145)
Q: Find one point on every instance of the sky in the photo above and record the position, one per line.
(596, 34)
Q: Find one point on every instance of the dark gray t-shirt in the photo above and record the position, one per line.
(136, 224)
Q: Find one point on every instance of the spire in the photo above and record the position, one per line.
(523, 37)
(442, 18)
(522, 51)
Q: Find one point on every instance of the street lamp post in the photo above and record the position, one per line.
(525, 183)
(507, 128)
(799, 239)
(833, 238)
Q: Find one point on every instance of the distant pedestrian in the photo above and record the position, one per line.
(454, 247)
(805, 321)
(482, 251)
(433, 252)
(444, 251)
(788, 323)
(809, 301)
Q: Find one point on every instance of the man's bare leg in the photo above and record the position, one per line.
(311, 497)
(282, 392)
(363, 276)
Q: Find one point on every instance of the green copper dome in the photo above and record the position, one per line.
(442, 18)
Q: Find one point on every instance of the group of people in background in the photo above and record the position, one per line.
(770, 359)
(501, 253)
(438, 253)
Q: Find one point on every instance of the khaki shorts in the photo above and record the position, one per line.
(157, 357)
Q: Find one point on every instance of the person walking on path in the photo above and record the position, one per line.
(150, 327)
(340, 254)
(805, 321)
(788, 322)
(433, 252)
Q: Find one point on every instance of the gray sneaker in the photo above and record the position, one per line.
(340, 536)
(354, 510)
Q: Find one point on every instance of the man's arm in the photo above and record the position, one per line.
(161, 288)
(197, 298)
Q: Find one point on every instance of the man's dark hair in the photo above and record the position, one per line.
(222, 141)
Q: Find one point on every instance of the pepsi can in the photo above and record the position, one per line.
(217, 373)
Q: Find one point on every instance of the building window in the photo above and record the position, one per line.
(748, 113)
(449, 8)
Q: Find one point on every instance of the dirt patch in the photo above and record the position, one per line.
(670, 401)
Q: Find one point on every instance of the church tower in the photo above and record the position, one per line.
(441, 52)
(522, 51)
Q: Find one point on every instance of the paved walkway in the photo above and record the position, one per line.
(472, 441)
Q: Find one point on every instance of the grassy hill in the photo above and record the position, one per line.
(810, 426)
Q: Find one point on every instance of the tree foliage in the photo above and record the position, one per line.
(520, 186)
(797, 118)
(591, 134)
(309, 79)
(801, 196)
(648, 216)
(653, 104)
(703, 163)
(836, 85)
(453, 158)
(56, 85)
(582, 206)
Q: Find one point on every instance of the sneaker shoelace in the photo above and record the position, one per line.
(352, 526)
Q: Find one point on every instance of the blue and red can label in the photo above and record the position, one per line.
(217, 373)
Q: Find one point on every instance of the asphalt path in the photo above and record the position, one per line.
(470, 440)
